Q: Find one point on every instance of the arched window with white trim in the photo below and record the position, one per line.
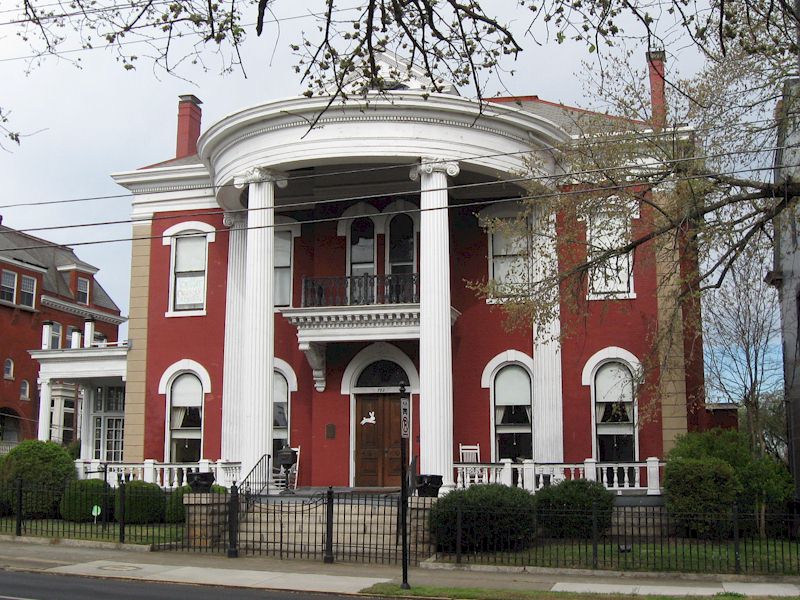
(24, 390)
(280, 412)
(8, 369)
(615, 427)
(185, 418)
(362, 261)
(513, 433)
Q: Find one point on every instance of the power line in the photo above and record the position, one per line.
(481, 203)
(615, 140)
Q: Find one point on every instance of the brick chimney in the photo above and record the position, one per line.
(189, 115)
(658, 98)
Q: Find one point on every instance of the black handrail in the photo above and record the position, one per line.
(359, 290)
(257, 480)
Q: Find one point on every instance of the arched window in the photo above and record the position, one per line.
(614, 413)
(362, 261)
(186, 418)
(401, 245)
(8, 369)
(24, 390)
(513, 435)
(382, 373)
(280, 412)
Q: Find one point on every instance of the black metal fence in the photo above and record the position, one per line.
(641, 538)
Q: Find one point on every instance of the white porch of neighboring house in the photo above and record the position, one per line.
(623, 478)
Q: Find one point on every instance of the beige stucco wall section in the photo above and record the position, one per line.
(672, 382)
(137, 334)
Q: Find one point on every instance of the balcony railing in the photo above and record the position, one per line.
(359, 290)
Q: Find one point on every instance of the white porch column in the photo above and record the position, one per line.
(435, 343)
(259, 339)
(45, 394)
(232, 397)
(88, 333)
(57, 424)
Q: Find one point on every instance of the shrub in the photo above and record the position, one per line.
(493, 517)
(700, 494)
(176, 512)
(80, 496)
(565, 509)
(45, 468)
(144, 503)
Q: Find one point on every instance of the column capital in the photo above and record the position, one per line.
(234, 219)
(429, 165)
(260, 175)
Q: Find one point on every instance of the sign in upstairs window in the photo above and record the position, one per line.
(27, 294)
(83, 291)
(190, 273)
(8, 286)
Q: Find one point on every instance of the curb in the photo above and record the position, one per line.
(432, 565)
(70, 543)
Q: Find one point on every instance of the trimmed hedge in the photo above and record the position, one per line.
(700, 494)
(45, 468)
(493, 517)
(80, 496)
(144, 503)
(565, 509)
(176, 511)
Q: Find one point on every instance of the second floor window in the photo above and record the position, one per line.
(613, 276)
(8, 369)
(8, 286)
(283, 268)
(27, 295)
(83, 291)
(189, 275)
(401, 245)
(55, 336)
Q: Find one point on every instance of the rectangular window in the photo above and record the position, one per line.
(83, 291)
(8, 286)
(283, 268)
(189, 273)
(612, 276)
(70, 331)
(27, 295)
(115, 429)
(55, 336)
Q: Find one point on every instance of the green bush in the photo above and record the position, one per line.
(80, 496)
(176, 512)
(493, 517)
(700, 494)
(565, 510)
(45, 468)
(144, 503)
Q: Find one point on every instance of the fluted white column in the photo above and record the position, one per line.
(232, 396)
(435, 343)
(259, 337)
(44, 409)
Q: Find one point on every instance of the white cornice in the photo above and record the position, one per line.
(22, 264)
(75, 267)
(81, 311)
(82, 363)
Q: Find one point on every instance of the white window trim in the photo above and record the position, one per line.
(9, 376)
(35, 286)
(395, 209)
(285, 369)
(16, 281)
(168, 238)
(490, 371)
(88, 290)
(171, 373)
(631, 293)
(634, 365)
(284, 223)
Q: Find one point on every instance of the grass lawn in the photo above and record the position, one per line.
(424, 591)
(687, 555)
(153, 533)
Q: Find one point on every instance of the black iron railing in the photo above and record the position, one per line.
(355, 290)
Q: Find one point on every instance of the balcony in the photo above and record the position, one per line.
(361, 290)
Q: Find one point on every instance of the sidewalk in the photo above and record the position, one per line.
(350, 578)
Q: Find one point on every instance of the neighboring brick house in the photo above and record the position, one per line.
(45, 289)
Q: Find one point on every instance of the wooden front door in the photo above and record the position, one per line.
(377, 440)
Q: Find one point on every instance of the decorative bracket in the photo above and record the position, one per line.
(315, 355)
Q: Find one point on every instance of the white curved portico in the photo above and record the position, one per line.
(438, 138)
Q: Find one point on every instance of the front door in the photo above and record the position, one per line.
(377, 440)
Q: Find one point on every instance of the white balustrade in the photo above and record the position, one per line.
(167, 475)
(533, 476)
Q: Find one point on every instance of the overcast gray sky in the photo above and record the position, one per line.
(84, 123)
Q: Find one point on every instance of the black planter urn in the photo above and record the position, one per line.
(428, 485)
(200, 482)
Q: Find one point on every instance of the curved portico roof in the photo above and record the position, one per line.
(392, 127)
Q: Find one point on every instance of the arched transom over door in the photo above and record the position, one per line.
(378, 424)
